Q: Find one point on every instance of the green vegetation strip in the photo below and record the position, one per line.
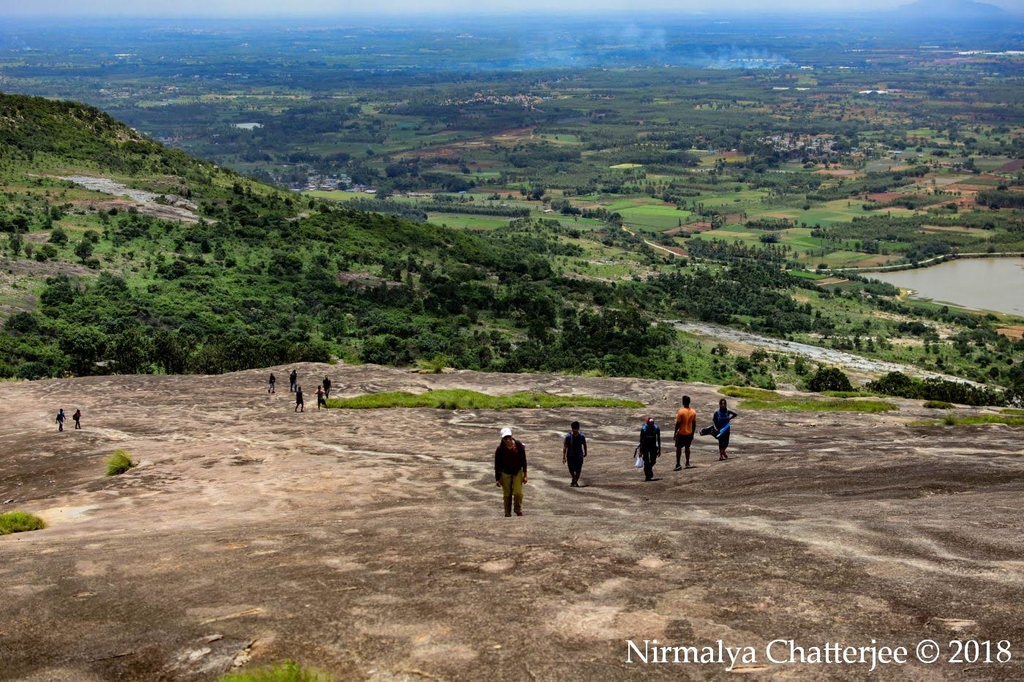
(760, 399)
(19, 522)
(458, 399)
(951, 420)
(286, 672)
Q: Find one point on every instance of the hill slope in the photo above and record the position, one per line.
(372, 544)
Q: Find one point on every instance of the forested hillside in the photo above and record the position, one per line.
(262, 278)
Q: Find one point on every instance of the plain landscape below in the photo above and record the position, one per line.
(371, 544)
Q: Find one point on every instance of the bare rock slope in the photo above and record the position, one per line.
(372, 545)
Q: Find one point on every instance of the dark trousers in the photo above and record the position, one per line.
(575, 466)
(78, 424)
(650, 456)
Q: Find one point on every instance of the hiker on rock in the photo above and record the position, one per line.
(686, 423)
(60, 419)
(321, 397)
(650, 446)
(510, 471)
(77, 416)
(299, 406)
(273, 384)
(722, 419)
(327, 387)
(293, 380)
(574, 449)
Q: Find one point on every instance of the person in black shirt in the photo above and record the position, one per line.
(299, 406)
(574, 449)
(650, 446)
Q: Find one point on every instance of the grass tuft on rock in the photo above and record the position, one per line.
(760, 399)
(460, 399)
(973, 420)
(19, 522)
(119, 462)
(288, 671)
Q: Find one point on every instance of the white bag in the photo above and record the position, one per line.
(639, 462)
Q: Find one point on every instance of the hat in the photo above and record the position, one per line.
(650, 420)
(506, 432)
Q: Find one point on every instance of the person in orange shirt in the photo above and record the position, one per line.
(686, 422)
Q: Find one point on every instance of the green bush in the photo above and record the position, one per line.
(19, 522)
(118, 463)
(829, 379)
(939, 405)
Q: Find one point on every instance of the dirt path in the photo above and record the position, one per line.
(372, 545)
(171, 207)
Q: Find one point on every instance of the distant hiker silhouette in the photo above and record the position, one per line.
(293, 380)
(299, 406)
(650, 446)
(327, 387)
(77, 416)
(574, 449)
(686, 423)
(273, 384)
(722, 419)
(60, 419)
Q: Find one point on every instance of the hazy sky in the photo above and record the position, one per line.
(249, 8)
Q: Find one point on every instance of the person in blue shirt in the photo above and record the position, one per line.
(650, 446)
(574, 449)
(722, 418)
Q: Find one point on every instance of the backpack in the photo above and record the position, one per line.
(572, 442)
(649, 433)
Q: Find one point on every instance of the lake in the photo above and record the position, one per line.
(977, 283)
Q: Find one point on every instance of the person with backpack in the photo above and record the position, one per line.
(327, 387)
(650, 446)
(60, 419)
(574, 449)
(510, 471)
(77, 416)
(722, 419)
(299, 405)
(686, 424)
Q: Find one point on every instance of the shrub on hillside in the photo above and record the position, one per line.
(829, 379)
(937, 390)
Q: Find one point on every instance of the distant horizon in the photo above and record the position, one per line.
(390, 10)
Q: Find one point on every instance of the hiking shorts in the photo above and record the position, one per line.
(684, 441)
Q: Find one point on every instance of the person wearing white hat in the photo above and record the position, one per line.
(510, 471)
